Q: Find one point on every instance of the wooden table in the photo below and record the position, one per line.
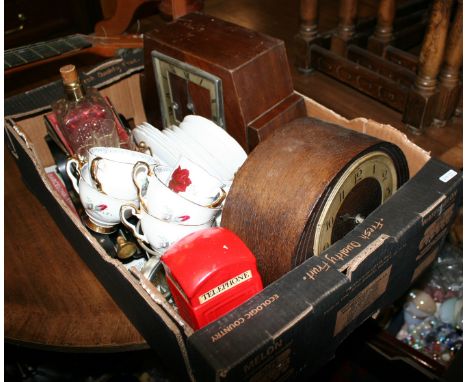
(52, 299)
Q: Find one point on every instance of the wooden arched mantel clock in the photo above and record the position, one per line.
(237, 77)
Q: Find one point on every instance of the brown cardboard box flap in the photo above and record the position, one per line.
(415, 155)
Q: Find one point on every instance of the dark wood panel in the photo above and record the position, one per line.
(359, 77)
(27, 22)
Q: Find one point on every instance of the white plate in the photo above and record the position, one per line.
(146, 127)
(212, 165)
(158, 150)
(216, 140)
(153, 131)
(187, 150)
(169, 138)
(162, 139)
(210, 128)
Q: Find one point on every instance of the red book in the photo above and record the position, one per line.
(57, 182)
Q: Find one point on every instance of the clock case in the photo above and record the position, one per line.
(296, 185)
(294, 326)
(258, 93)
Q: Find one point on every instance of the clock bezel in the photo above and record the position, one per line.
(161, 63)
(330, 206)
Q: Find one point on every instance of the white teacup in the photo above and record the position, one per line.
(159, 234)
(102, 210)
(160, 201)
(194, 183)
(111, 170)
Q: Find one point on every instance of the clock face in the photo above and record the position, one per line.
(364, 185)
(185, 89)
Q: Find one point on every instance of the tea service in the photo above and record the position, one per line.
(169, 185)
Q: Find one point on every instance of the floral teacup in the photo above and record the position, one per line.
(111, 170)
(102, 211)
(158, 233)
(194, 183)
(160, 201)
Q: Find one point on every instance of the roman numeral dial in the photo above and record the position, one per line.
(364, 185)
(186, 89)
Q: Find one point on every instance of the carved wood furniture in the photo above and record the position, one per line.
(120, 13)
(120, 19)
(376, 59)
(449, 77)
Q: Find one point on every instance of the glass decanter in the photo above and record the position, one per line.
(81, 114)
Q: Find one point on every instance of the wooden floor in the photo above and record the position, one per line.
(280, 19)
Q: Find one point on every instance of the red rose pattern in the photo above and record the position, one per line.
(99, 207)
(180, 180)
(183, 218)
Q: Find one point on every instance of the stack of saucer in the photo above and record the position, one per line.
(197, 139)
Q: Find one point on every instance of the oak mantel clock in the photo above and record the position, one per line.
(323, 182)
(237, 77)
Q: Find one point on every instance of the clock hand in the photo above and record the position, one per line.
(358, 219)
(190, 104)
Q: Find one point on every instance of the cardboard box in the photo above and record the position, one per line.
(296, 323)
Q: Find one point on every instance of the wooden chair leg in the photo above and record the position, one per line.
(121, 19)
(459, 109)
(346, 26)
(422, 98)
(383, 33)
(173, 9)
(125, 10)
(450, 85)
(308, 33)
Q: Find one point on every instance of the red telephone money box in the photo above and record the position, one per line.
(209, 273)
